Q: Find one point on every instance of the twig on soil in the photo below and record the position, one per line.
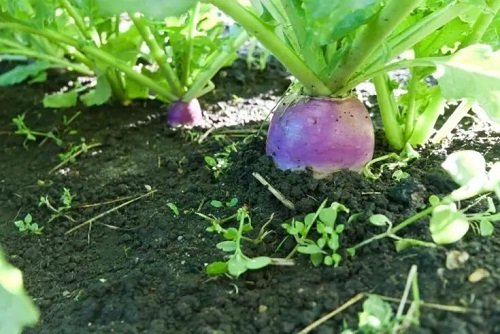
(91, 220)
(442, 307)
(205, 135)
(274, 191)
(84, 206)
(333, 313)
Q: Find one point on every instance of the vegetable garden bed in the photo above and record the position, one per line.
(142, 267)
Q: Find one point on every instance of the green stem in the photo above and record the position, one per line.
(273, 43)
(133, 75)
(418, 62)
(392, 231)
(427, 120)
(158, 54)
(389, 112)
(21, 50)
(411, 112)
(482, 23)
(369, 39)
(193, 22)
(77, 18)
(417, 32)
(215, 62)
(97, 54)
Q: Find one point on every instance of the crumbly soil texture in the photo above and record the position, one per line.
(116, 262)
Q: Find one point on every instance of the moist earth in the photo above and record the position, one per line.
(141, 267)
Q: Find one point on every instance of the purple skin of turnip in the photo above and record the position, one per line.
(186, 114)
(323, 134)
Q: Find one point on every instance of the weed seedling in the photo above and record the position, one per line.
(449, 223)
(238, 262)
(27, 225)
(324, 248)
(220, 162)
(66, 200)
(174, 208)
(31, 135)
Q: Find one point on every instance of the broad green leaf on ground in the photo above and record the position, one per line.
(22, 72)
(473, 72)
(61, 100)
(332, 20)
(99, 95)
(16, 308)
(158, 9)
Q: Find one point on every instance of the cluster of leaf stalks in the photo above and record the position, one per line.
(131, 56)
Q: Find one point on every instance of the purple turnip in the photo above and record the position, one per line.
(323, 134)
(187, 114)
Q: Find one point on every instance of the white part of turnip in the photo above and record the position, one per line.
(187, 114)
(323, 134)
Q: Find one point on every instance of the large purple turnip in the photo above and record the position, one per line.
(323, 134)
(187, 114)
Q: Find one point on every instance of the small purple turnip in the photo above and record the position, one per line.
(186, 114)
(323, 134)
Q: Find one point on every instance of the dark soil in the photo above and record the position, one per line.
(141, 269)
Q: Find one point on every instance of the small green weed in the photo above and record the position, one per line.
(324, 248)
(27, 225)
(66, 199)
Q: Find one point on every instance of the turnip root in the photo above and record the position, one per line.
(323, 134)
(187, 114)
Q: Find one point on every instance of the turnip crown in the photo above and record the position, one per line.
(323, 134)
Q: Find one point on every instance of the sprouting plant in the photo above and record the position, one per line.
(378, 316)
(220, 162)
(174, 208)
(237, 262)
(31, 135)
(229, 204)
(26, 225)
(66, 199)
(73, 152)
(449, 223)
(324, 247)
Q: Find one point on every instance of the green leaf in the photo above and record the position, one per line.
(309, 249)
(227, 246)
(448, 225)
(486, 228)
(328, 216)
(18, 311)
(217, 268)
(99, 95)
(174, 208)
(333, 19)
(316, 259)
(333, 242)
(61, 100)
(351, 251)
(309, 219)
(336, 259)
(379, 220)
(158, 9)
(231, 233)
(473, 73)
(232, 203)
(258, 262)
(468, 169)
(237, 265)
(21, 73)
(215, 203)
(376, 313)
